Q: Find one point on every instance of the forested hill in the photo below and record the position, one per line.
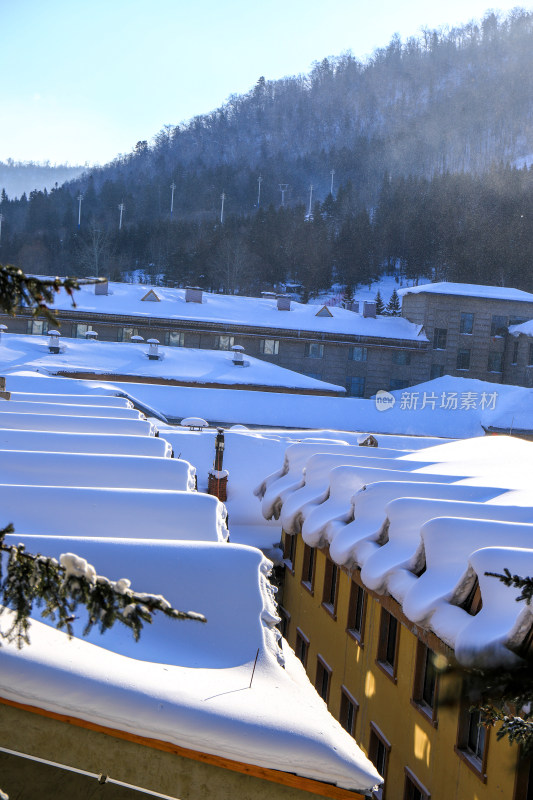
(19, 177)
(420, 144)
(453, 101)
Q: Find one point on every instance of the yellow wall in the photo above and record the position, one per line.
(427, 749)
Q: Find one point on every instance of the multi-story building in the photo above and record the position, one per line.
(445, 328)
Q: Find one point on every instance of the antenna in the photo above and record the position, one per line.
(259, 182)
(283, 188)
(1, 218)
(310, 212)
(121, 208)
(80, 198)
(222, 197)
(332, 173)
(172, 187)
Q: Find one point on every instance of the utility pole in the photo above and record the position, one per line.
(259, 182)
(283, 188)
(222, 197)
(172, 187)
(310, 212)
(80, 198)
(332, 173)
(121, 208)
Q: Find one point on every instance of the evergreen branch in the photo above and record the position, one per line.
(35, 581)
(516, 581)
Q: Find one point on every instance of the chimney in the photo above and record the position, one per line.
(354, 306)
(217, 478)
(284, 302)
(193, 294)
(102, 287)
(3, 394)
(238, 355)
(369, 309)
(153, 349)
(53, 341)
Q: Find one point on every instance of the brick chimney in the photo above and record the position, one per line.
(217, 480)
(193, 294)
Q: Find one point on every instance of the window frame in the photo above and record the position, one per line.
(323, 678)
(429, 710)
(170, 334)
(401, 358)
(36, 323)
(264, 351)
(290, 543)
(433, 368)
(310, 347)
(495, 355)
(348, 701)
(440, 338)
(124, 337)
(301, 647)
(477, 763)
(284, 623)
(75, 329)
(387, 623)
(410, 778)
(514, 356)
(309, 568)
(221, 338)
(357, 606)
(330, 590)
(376, 739)
(466, 315)
(462, 354)
(362, 384)
(359, 349)
(498, 325)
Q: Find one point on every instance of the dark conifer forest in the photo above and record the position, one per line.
(417, 158)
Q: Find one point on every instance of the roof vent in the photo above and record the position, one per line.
(193, 423)
(238, 355)
(102, 287)
(353, 306)
(136, 339)
(193, 294)
(91, 335)
(153, 349)
(3, 328)
(369, 309)
(284, 302)
(268, 295)
(53, 341)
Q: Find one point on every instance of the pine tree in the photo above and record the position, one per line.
(393, 306)
(380, 308)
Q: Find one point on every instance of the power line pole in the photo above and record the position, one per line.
(310, 212)
(80, 198)
(332, 173)
(283, 188)
(222, 197)
(1, 218)
(259, 182)
(172, 187)
(121, 208)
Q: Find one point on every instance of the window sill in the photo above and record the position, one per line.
(426, 711)
(388, 669)
(309, 587)
(356, 636)
(289, 565)
(330, 610)
(472, 762)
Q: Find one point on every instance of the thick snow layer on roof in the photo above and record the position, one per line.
(34, 468)
(189, 683)
(15, 406)
(177, 363)
(469, 290)
(75, 424)
(412, 533)
(98, 443)
(525, 327)
(73, 399)
(131, 513)
(126, 299)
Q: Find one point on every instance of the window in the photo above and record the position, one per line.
(224, 342)
(398, 383)
(425, 685)
(314, 350)
(302, 646)
(283, 624)
(331, 585)
(472, 739)
(125, 334)
(323, 679)
(402, 357)
(308, 569)
(269, 347)
(388, 643)
(356, 386)
(466, 324)
(463, 359)
(356, 612)
(514, 358)
(174, 338)
(495, 361)
(439, 339)
(37, 327)
(80, 329)
(414, 790)
(378, 753)
(436, 371)
(358, 354)
(349, 709)
(289, 550)
(530, 359)
(498, 326)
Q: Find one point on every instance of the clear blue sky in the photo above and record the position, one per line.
(84, 80)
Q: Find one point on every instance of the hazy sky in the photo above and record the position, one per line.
(82, 81)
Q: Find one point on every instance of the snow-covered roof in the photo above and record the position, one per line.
(111, 510)
(414, 533)
(125, 299)
(469, 290)
(525, 327)
(187, 365)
